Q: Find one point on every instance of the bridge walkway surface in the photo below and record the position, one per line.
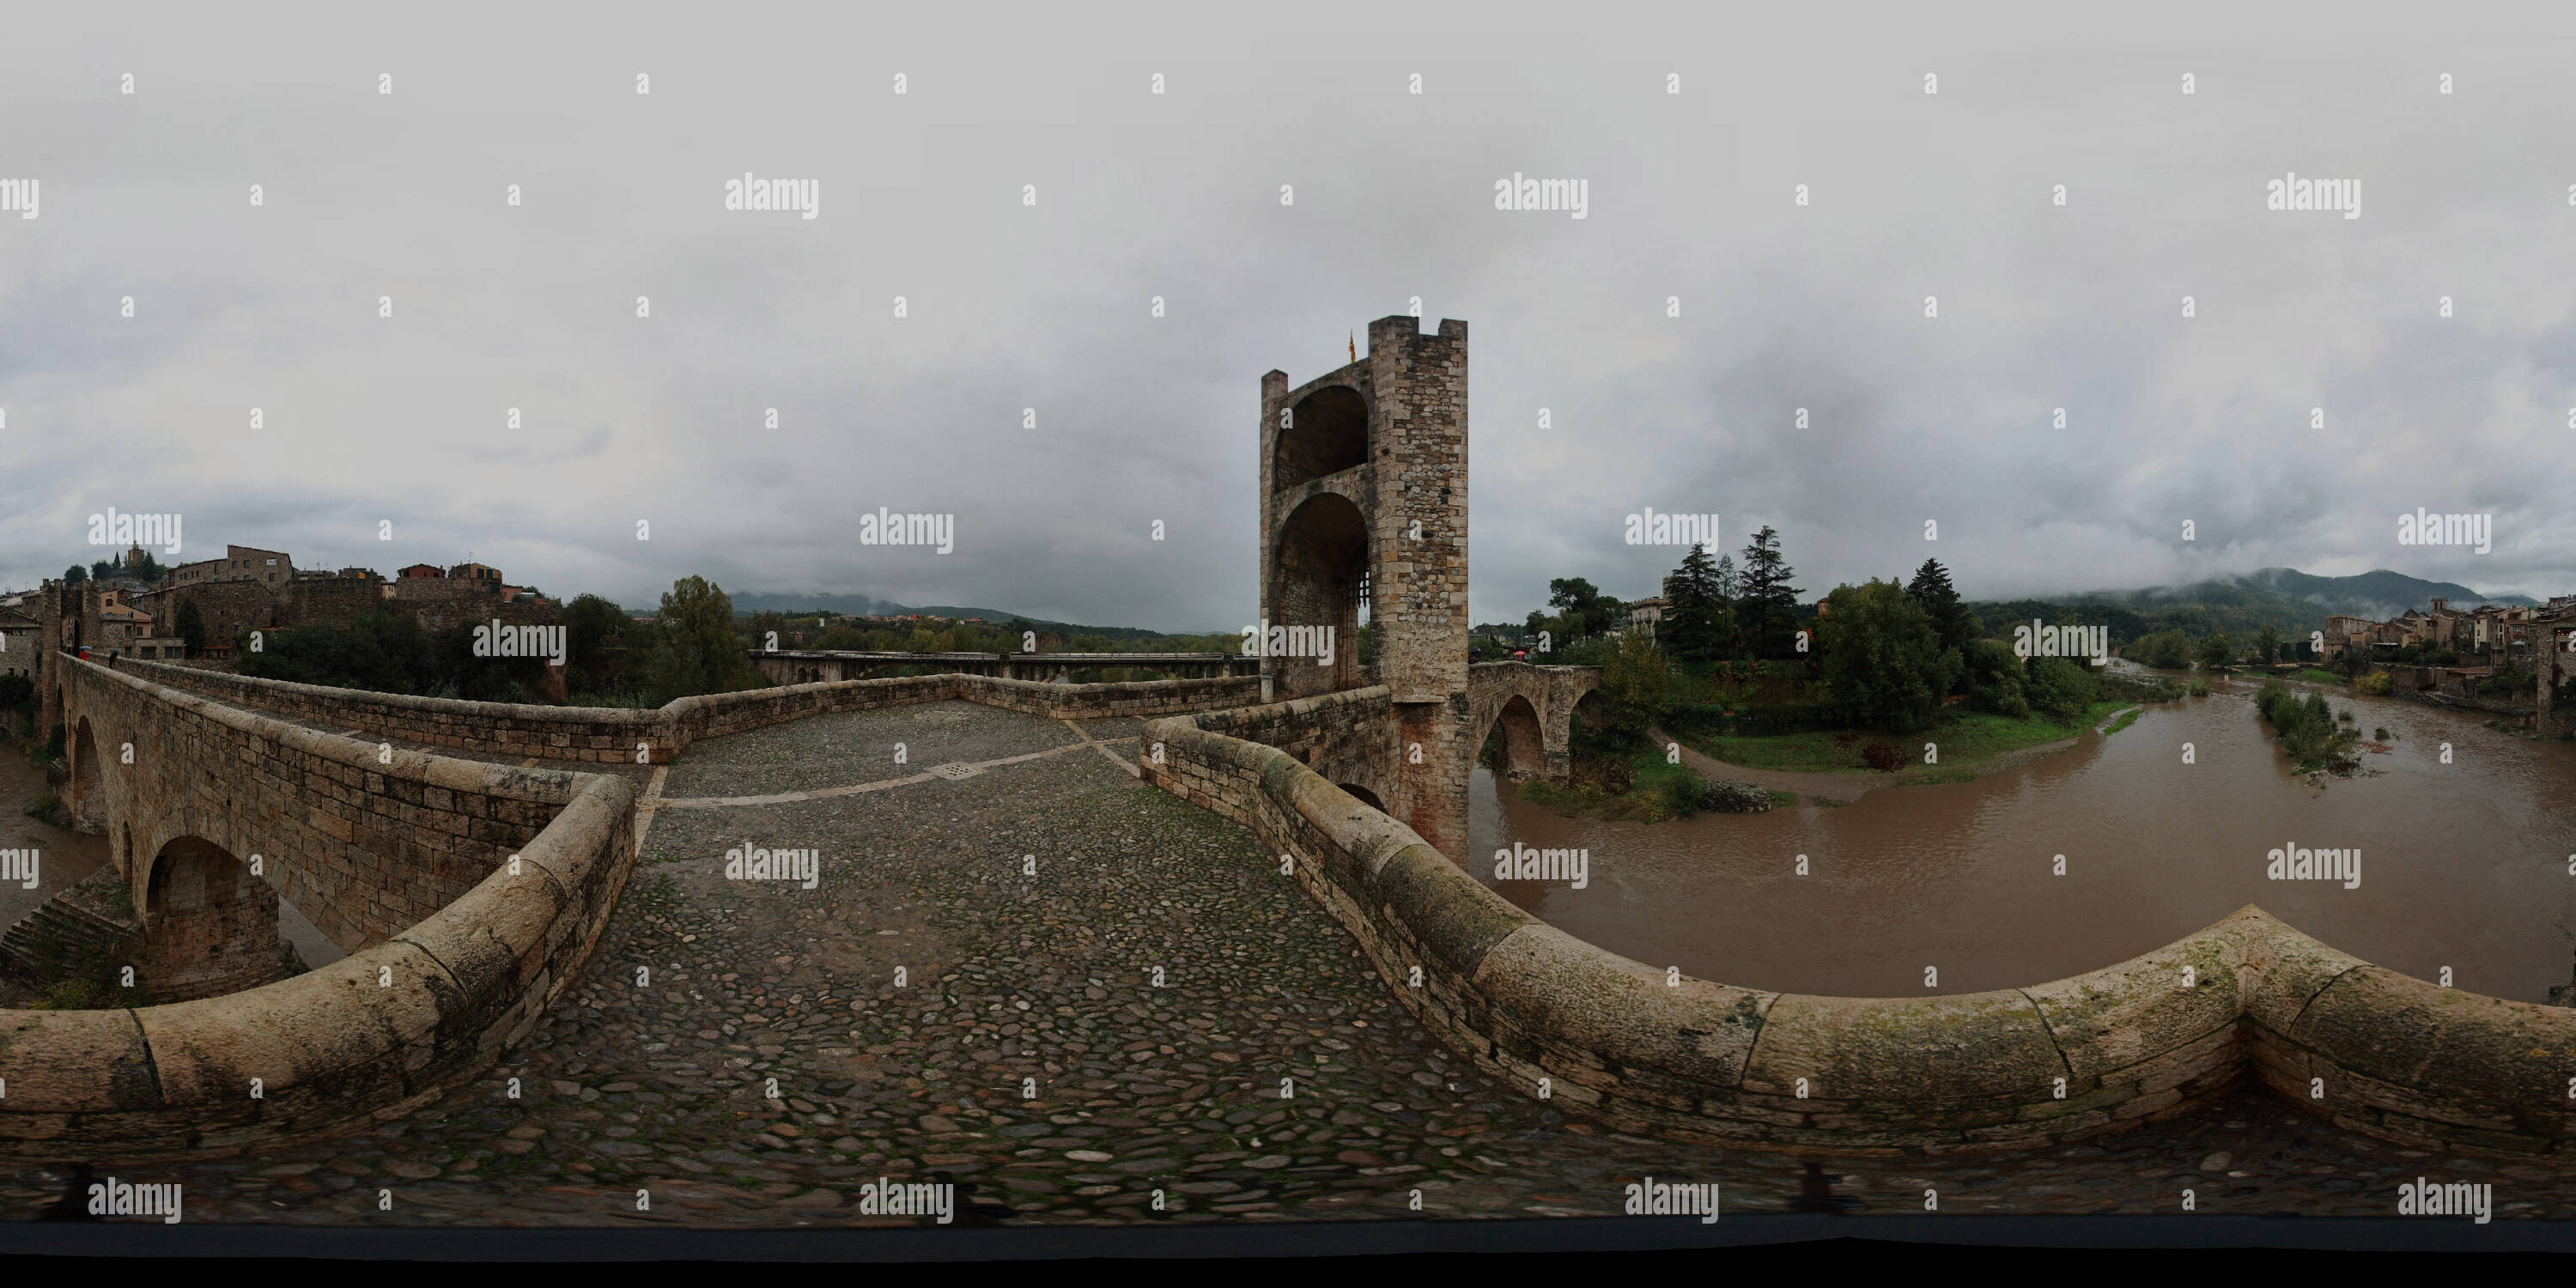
(1049, 978)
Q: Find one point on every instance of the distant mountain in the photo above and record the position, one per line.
(770, 601)
(2379, 594)
(863, 606)
(2292, 602)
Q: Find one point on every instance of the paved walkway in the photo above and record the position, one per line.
(1071, 1041)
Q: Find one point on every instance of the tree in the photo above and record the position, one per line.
(102, 570)
(2267, 644)
(2165, 650)
(1767, 605)
(191, 626)
(1995, 679)
(1584, 609)
(699, 651)
(75, 575)
(1951, 619)
(1695, 626)
(590, 625)
(2214, 650)
(2061, 688)
(1634, 685)
(1884, 664)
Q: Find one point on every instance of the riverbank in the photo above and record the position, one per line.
(1821, 764)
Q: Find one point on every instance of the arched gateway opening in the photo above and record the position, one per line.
(1321, 580)
(209, 926)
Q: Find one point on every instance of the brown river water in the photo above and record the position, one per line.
(2464, 865)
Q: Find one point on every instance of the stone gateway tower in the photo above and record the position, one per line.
(1364, 512)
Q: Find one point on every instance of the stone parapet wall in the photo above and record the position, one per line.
(597, 735)
(391, 1027)
(1642, 1050)
(612, 734)
(1348, 737)
(363, 842)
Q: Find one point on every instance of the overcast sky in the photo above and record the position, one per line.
(1691, 195)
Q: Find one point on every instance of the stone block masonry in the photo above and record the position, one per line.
(429, 1001)
(1628, 1045)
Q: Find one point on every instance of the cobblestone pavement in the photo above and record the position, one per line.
(1017, 983)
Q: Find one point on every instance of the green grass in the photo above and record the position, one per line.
(2316, 676)
(1779, 798)
(1967, 736)
(2123, 722)
(1643, 802)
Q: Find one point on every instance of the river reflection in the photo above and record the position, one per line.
(2464, 865)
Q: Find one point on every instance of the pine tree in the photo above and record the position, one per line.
(1694, 622)
(1766, 604)
(1951, 620)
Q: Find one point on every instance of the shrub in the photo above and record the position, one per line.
(2307, 727)
(1882, 756)
(2166, 650)
(1680, 795)
(2062, 688)
(2376, 684)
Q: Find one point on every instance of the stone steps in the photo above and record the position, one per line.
(76, 932)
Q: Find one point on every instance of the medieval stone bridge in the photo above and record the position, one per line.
(1534, 710)
(795, 666)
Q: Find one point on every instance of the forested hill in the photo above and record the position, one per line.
(2289, 601)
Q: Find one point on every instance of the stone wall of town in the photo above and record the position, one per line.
(1641, 1049)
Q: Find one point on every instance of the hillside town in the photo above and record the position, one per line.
(135, 608)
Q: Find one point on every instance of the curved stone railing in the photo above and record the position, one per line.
(1646, 1051)
(372, 1036)
(604, 735)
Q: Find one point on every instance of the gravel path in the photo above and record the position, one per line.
(1032, 1057)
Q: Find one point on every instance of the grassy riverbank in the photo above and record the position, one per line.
(1966, 741)
(1643, 794)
